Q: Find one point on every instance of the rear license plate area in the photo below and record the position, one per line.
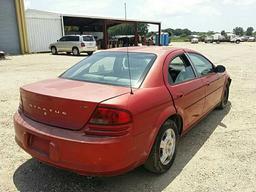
(39, 145)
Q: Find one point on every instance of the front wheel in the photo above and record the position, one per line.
(163, 152)
(224, 99)
(54, 50)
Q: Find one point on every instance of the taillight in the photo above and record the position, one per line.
(82, 45)
(109, 116)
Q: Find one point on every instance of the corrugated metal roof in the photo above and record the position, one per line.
(40, 13)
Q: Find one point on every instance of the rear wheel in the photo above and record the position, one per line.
(90, 53)
(54, 50)
(163, 151)
(237, 41)
(75, 51)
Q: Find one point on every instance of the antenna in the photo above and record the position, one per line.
(127, 51)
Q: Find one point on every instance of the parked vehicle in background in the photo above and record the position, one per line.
(236, 39)
(251, 39)
(245, 38)
(218, 38)
(74, 44)
(88, 120)
(194, 40)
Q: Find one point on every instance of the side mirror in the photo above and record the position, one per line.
(219, 69)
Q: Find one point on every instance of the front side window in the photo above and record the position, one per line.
(180, 70)
(63, 38)
(202, 65)
(112, 68)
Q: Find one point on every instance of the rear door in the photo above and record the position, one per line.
(212, 81)
(73, 41)
(187, 90)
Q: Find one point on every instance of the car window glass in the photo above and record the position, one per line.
(88, 38)
(72, 38)
(202, 65)
(112, 68)
(63, 39)
(180, 70)
(102, 66)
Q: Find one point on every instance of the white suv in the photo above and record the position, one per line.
(75, 44)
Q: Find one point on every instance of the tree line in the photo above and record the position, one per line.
(143, 29)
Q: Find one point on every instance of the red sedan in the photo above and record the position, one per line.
(115, 111)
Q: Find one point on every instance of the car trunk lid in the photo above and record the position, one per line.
(65, 103)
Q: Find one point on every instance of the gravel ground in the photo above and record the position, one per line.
(218, 154)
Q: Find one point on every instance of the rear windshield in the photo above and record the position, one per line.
(112, 68)
(88, 38)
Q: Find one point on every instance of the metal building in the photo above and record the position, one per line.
(43, 28)
(47, 27)
(12, 27)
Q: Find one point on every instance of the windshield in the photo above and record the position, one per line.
(112, 68)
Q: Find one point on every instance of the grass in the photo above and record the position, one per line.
(179, 39)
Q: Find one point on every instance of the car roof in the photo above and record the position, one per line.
(158, 50)
(78, 35)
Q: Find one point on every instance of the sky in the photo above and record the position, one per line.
(196, 15)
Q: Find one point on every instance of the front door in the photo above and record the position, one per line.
(213, 81)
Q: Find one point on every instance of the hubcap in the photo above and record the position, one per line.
(167, 146)
(53, 50)
(75, 52)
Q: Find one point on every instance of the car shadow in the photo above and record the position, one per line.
(65, 54)
(35, 176)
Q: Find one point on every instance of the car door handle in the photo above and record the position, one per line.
(179, 95)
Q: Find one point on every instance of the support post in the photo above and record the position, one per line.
(159, 34)
(105, 35)
(20, 15)
(136, 37)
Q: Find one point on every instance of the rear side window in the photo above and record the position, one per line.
(202, 65)
(88, 38)
(180, 70)
(72, 38)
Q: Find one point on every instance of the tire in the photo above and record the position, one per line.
(90, 53)
(224, 99)
(75, 51)
(155, 162)
(237, 41)
(54, 50)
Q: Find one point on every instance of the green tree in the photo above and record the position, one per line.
(249, 31)
(239, 31)
(128, 29)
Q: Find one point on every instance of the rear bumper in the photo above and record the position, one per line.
(88, 49)
(75, 151)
